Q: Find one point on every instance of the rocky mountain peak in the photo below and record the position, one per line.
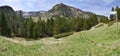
(66, 11)
(61, 4)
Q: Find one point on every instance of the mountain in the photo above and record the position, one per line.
(59, 10)
(64, 11)
(30, 14)
(67, 11)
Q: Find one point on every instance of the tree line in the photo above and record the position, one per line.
(45, 28)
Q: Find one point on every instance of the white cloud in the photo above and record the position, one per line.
(107, 1)
(104, 2)
(12, 1)
(101, 10)
(29, 4)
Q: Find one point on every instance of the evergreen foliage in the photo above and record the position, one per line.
(54, 26)
(30, 26)
(5, 25)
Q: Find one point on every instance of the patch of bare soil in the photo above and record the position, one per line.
(46, 41)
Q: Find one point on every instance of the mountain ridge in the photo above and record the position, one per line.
(61, 9)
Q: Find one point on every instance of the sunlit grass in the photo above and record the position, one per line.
(8, 48)
(100, 41)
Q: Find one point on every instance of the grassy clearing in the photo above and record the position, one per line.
(99, 41)
(8, 48)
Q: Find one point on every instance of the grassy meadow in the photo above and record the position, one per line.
(98, 41)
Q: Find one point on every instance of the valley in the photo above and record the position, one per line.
(99, 41)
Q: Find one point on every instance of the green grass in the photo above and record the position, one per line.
(100, 41)
(8, 48)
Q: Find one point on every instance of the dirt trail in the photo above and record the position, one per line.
(46, 41)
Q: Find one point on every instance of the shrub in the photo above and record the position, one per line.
(63, 35)
(110, 23)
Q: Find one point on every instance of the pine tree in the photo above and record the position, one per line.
(42, 28)
(95, 20)
(111, 15)
(113, 9)
(35, 31)
(49, 26)
(0, 24)
(78, 24)
(5, 25)
(86, 24)
(56, 26)
(30, 28)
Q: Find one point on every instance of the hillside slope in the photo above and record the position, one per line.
(99, 41)
(67, 11)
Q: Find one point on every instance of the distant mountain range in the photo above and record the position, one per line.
(59, 9)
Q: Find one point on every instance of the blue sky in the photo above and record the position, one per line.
(102, 7)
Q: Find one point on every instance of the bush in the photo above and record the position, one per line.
(111, 23)
(63, 35)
